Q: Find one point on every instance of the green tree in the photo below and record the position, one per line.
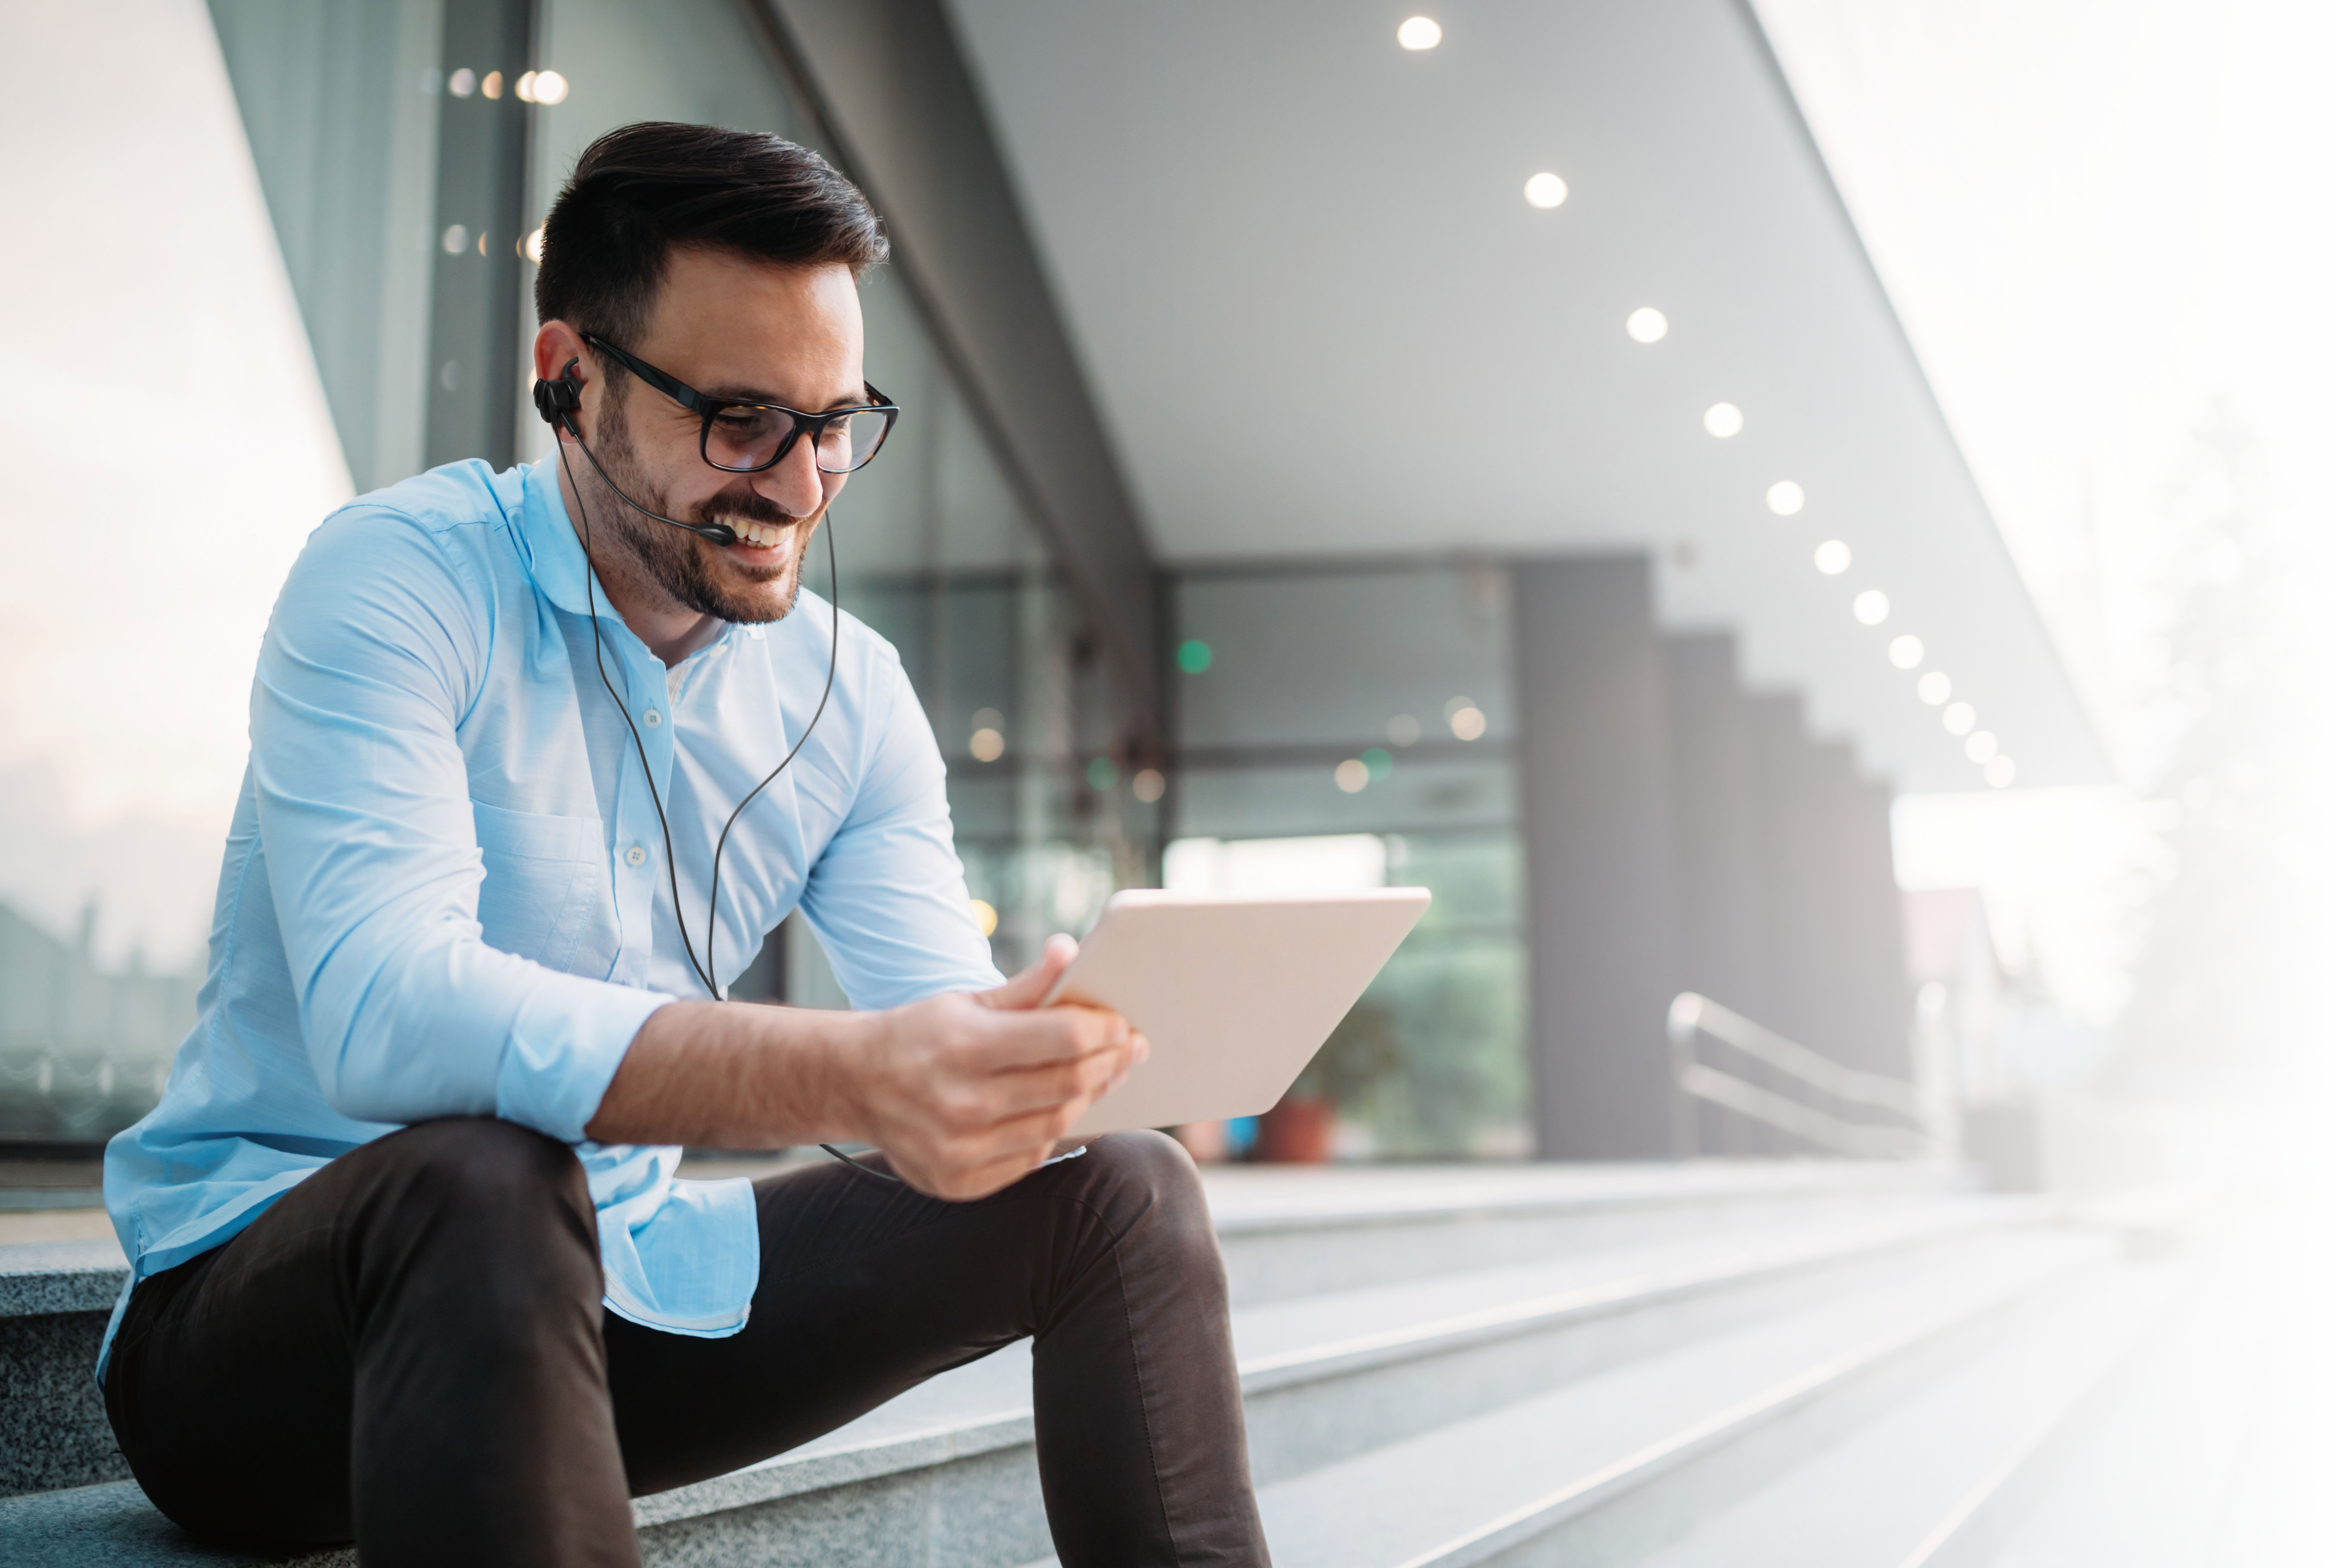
(2238, 918)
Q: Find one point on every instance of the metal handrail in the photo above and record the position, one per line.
(1691, 1015)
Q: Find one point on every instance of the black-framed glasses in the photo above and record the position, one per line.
(745, 437)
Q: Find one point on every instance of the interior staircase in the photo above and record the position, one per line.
(1684, 1365)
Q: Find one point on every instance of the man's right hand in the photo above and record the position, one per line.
(969, 1093)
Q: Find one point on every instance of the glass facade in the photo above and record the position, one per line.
(1372, 703)
(405, 163)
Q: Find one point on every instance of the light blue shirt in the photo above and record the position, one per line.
(444, 894)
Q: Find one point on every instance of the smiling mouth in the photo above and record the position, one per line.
(758, 535)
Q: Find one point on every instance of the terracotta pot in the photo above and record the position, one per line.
(1297, 1131)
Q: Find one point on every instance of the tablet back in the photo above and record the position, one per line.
(1234, 992)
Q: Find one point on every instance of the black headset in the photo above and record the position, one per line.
(558, 403)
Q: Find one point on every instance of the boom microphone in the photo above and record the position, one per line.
(717, 532)
(557, 401)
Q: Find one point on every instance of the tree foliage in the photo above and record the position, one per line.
(2238, 916)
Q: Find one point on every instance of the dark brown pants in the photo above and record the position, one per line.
(409, 1350)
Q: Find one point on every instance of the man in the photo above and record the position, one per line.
(412, 1265)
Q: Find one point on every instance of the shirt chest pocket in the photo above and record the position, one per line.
(543, 882)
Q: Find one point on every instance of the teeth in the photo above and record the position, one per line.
(766, 535)
(763, 534)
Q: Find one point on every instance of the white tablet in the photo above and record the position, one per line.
(1236, 993)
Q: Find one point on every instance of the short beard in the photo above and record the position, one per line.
(673, 558)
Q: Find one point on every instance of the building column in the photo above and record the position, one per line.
(1596, 778)
(1847, 1005)
(1720, 848)
(1882, 1000)
(1835, 919)
(1792, 784)
(1717, 813)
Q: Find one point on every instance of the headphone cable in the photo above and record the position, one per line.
(706, 966)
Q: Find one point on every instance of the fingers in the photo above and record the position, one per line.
(1035, 1037)
(1074, 1084)
(1028, 988)
(980, 1087)
(975, 1165)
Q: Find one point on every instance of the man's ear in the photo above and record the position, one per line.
(557, 397)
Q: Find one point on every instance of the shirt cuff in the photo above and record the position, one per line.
(566, 1044)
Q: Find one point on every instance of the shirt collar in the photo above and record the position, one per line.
(551, 548)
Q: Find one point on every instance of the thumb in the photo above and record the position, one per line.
(1029, 987)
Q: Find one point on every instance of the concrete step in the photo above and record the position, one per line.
(2148, 1487)
(1930, 1481)
(951, 1465)
(1616, 1466)
(1286, 1232)
(1290, 1231)
(54, 1302)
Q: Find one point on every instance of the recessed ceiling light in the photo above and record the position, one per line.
(1905, 652)
(1983, 746)
(2000, 773)
(1544, 190)
(1647, 325)
(1960, 718)
(1418, 33)
(1831, 557)
(1935, 688)
(1786, 498)
(1870, 606)
(1723, 420)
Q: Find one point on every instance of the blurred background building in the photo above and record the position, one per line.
(1521, 486)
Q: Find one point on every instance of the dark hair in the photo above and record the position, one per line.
(644, 189)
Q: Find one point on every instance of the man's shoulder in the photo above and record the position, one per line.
(445, 523)
(455, 497)
(424, 550)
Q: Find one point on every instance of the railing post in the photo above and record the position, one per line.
(1682, 1034)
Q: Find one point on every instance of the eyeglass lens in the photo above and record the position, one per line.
(749, 438)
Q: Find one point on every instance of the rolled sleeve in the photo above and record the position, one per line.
(563, 1048)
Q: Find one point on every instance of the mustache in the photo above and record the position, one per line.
(750, 506)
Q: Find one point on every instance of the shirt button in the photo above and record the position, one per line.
(637, 855)
(653, 718)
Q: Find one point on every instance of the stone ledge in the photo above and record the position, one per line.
(40, 1276)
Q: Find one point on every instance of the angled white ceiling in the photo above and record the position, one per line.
(1320, 318)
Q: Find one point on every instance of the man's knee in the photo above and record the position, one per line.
(1147, 1186)
(493, 1188)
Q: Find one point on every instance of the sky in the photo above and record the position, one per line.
(2099, 220)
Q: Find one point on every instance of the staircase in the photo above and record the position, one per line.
(1682, 1366)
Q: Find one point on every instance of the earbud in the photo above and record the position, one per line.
(558, 399)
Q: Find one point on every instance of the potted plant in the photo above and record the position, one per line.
(1361, 1052)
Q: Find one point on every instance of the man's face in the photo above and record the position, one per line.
(731, 328)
